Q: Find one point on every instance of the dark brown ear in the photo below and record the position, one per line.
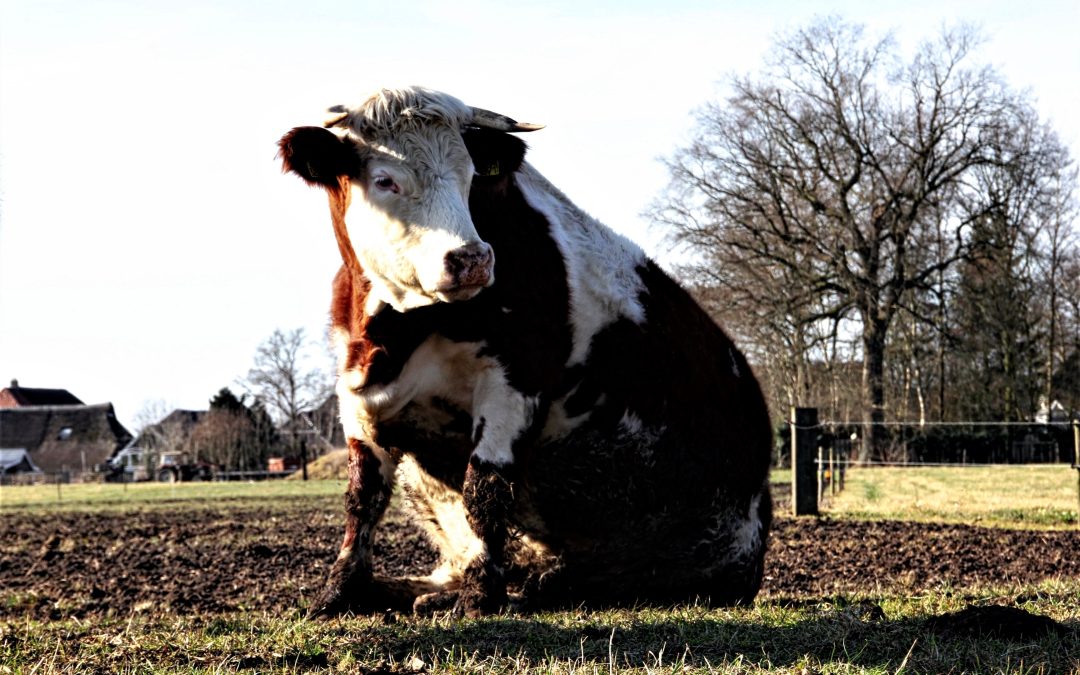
(318, 156)
(494, 153)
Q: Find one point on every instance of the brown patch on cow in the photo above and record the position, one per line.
(350, 291)
(340, 197)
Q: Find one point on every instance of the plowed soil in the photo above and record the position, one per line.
(274, 557)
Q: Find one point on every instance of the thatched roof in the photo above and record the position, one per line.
(64, 437)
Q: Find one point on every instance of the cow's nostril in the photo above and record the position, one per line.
(470, 265)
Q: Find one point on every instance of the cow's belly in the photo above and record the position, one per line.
(602, 498)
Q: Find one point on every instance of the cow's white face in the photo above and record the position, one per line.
(398, 174)
(408, 220)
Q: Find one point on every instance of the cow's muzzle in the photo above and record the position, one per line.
(466, 271)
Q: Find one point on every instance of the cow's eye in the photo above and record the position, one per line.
(387, 184)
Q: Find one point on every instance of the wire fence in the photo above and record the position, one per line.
(823, 452)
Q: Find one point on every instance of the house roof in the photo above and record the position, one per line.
(323, 421)
(16, 459)
(171, 431)
(63, 436)
(16, 396)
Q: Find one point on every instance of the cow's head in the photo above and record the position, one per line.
(398, 174)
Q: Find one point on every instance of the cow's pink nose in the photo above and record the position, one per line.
(470, 265)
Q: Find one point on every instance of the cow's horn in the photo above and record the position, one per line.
(335, 115)
(486, 118)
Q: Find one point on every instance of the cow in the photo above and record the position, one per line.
(568, 425)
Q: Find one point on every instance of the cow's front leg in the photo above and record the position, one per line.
(488, 495)
(349, 586)
(502, 416)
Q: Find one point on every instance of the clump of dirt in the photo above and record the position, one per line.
(1005, 623)
(275, 558)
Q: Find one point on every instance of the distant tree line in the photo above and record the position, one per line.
(891, 237)
(235, 435)
(276, 416)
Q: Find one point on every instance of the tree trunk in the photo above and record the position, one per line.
(873, 338)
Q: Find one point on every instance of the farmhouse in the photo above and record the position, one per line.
(63, 437)
(19, 397)
(172, 432)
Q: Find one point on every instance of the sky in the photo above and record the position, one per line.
(149, 241)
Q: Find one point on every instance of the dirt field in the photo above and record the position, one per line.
(274, 557)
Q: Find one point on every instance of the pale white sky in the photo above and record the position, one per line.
(149, 243)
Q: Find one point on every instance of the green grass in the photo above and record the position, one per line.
(829, 635)
(1007, 496)
(862, 633)
(118, 496)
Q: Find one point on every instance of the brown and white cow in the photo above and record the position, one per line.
(566, 421)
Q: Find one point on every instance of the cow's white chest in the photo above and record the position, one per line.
(438, 370)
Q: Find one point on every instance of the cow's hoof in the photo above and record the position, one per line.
(365, 595)
(430, 604)
(330, 603)
(474, 601)
(347, 585)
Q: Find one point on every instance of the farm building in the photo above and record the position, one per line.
(320, 425)
(17, 460)
(172, 432)
(20, 397)
(63, 437)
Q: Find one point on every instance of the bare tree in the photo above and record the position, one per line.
(1061, 246)
(149, 413)
(285, 377)
(845, 178)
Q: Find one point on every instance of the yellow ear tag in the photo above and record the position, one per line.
(491, 169)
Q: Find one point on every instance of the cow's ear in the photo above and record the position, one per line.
(317, 155)
(494, 153)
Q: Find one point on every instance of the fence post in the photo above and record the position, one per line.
(1076, 462)
(804, 435)
(832, 470)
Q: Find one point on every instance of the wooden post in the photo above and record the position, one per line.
(1076, 462)
(832, 470)
(804, 434)
(820, 474)
(303, 456)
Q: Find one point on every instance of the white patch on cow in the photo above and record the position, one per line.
(438, 368)
(340, 339)
(743, 532)
(558, 424)
(747, 534)
(504, 412)
(402, 240)
(444, 520)
(630, 423)
(601, 265)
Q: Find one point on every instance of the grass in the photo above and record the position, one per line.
(1043, 496)
(119, 496)
(864, 634)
